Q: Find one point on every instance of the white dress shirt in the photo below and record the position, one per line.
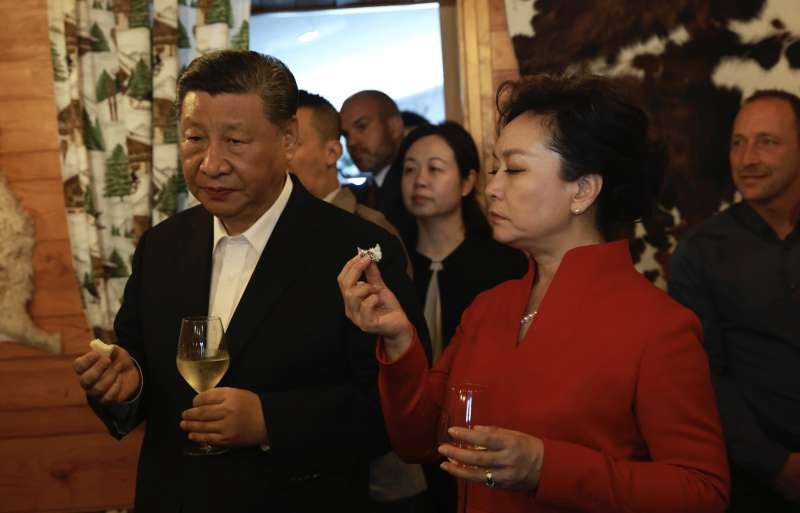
(234, 258)
(380, 176)
(233, 261)
(329, 197)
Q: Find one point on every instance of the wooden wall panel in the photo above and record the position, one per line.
(486, 60)
(95, 468)
(67, 420)
(54, 280)
(19, 130)
(44, 201)
(53, 450)
(31, 165)
(39, 383)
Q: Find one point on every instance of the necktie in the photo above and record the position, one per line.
(433, 310)
(372, 194)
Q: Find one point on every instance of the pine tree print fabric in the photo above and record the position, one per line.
(115, 67)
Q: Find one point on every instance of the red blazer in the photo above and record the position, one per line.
(611, 375)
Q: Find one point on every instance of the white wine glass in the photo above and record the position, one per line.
(462, 407)
(202, 360)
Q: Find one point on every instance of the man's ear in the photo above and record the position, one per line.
(468, 183)
(333, 152)
(290, 136)
(589, 187)
(396, 127)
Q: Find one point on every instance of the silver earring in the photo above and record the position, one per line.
(576, 211)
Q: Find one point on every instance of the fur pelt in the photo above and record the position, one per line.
(16, 275)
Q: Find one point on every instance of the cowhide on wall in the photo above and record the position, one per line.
(16, 275)
(690, 63)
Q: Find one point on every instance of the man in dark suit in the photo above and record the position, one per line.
(373, 128)
(394, 486)
(298, 407)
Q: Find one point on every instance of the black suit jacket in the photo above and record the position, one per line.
(289, 341)
(388, 199)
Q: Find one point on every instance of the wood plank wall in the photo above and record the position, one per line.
(54, 454)
(486, 60)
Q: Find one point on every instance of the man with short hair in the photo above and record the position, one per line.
(318, 150)
(373, 128)
(298, 407)
(392, 482)
(740, 272)
(412, 120)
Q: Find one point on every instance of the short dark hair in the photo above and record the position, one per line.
(412, 119)
(243, 72)
(778, 94)
(467, 159)
(595, 129)
(324, 117)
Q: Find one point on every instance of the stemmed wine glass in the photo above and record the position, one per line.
(202, 360)
(460, 411)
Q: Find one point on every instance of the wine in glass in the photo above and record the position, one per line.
(202, 360)
(460, 411)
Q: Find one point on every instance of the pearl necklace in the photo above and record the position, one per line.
(528, 317)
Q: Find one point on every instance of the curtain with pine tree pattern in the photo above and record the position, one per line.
(115, 66)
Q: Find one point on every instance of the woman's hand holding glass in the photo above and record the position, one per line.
(373, 307)
(514, 459)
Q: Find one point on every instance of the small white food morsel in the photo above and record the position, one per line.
(101, 347)
(373, 253)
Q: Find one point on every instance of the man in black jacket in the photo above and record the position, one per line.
(740, 272)
(298, 406)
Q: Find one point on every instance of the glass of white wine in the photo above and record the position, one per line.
(460, 410)
(202, 360)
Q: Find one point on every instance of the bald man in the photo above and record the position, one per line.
(373, 128)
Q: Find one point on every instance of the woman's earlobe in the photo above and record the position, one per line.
(468, 183)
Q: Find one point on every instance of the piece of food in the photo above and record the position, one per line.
(373, 253)
(101, 347)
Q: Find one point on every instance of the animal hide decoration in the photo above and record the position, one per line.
(689, 63)
(16, 276)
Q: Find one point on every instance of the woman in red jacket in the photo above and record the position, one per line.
(597, 394)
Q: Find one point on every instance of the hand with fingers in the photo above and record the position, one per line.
(113, 379)
(226, 416)
(373, 307)
(511, 460)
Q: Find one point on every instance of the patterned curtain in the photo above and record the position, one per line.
(115, 65)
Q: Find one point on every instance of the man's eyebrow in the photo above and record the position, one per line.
(757, 134)
(227, 126)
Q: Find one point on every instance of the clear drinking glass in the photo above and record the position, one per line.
(202, 360)
(462, 408)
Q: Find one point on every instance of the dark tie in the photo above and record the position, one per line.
(372, 193)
